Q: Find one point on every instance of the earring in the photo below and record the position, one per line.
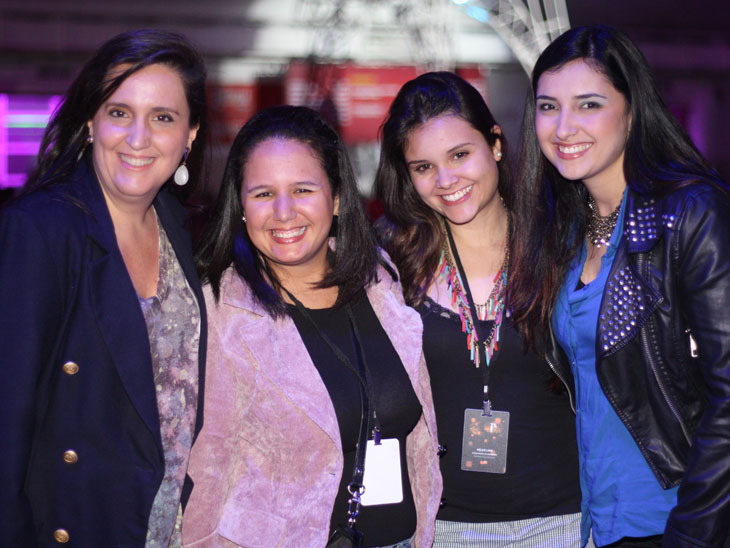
(499, 154)
(181, 173)
(89, 140)
(244, 218)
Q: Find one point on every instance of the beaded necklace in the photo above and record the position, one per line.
(460, 296)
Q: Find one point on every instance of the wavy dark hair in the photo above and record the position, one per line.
(411, 232)
(226, 241)
(550, 212)
(65, 139)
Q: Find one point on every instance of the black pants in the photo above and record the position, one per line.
(644, 542)
(637, 542)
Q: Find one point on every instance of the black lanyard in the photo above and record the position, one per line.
(478, 329)
(369, 400)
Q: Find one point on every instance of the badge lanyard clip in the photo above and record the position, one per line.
(487, 405)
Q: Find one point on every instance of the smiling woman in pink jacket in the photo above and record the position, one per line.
(309, 333)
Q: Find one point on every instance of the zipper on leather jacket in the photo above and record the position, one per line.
(559, 376)
(692, 343)
(648, 354)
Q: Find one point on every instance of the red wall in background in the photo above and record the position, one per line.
(231, 105)
(354, 98)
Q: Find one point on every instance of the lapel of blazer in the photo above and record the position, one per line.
(114, 302)
(281, 355)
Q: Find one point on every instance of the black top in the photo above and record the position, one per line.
(542, 455)
(397, 406)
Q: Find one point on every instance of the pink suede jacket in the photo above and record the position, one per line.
(268, 461)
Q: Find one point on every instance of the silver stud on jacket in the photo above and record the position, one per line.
(624, 304)
(641, 225)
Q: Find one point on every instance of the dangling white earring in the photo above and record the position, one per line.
(181, 173)
(244, 218)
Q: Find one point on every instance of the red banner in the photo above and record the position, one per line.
(355, 99)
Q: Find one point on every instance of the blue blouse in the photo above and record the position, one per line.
(621, 495)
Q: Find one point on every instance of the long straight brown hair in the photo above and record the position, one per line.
(550, 212)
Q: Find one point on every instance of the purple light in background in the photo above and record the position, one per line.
(23, 118)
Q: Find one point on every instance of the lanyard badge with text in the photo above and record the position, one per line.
(486, 431)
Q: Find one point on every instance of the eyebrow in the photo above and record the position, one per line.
(154, 109)
(450, 151)
(265, 186)
(581, 96)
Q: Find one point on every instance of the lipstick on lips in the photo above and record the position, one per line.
(458, 196)
(134, 161)
(571, 152)
(288, 236)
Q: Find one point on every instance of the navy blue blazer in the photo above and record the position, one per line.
(82, 453)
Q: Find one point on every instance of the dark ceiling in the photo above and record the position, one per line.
(657, 19)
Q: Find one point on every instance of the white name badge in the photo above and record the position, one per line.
(382, 478)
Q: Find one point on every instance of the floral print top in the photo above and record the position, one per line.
(173, 325)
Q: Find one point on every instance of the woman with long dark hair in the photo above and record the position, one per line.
(103, 321)
(313, 357)
(509, 460)
(622, 232)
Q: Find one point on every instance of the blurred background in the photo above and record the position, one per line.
(348, 58)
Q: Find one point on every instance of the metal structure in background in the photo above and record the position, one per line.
(328, 16)
(345, 25)
(526, 26)
(430, 25)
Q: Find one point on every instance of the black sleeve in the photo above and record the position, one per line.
(702, 251)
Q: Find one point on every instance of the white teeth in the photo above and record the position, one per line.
(289, 233)
(458, 194)
(574, 149)
(136, 162)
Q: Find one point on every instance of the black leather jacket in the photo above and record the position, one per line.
(663, 352)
